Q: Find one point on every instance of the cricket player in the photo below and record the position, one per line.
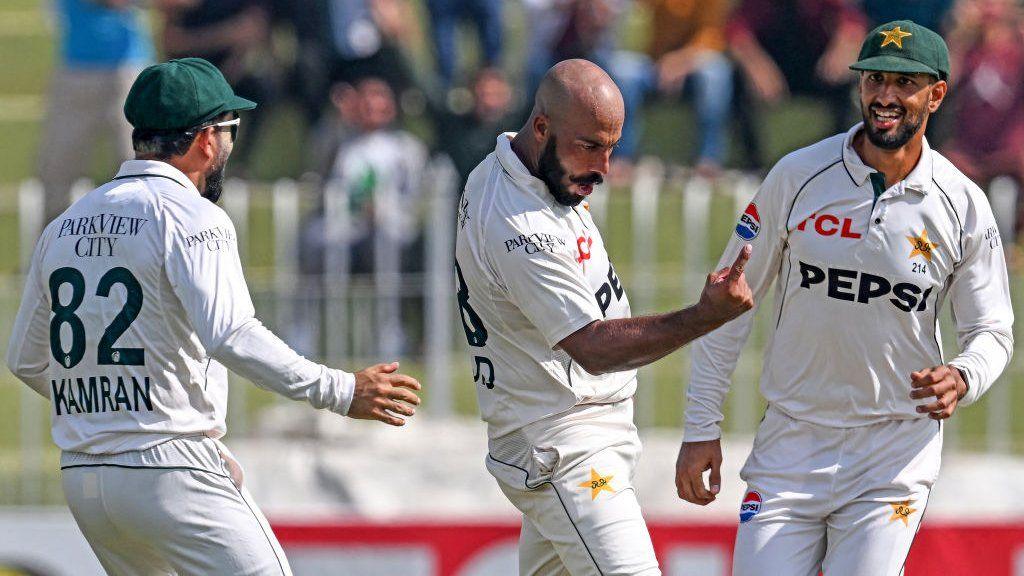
(553, 348)
(865, 236)
(134, 308)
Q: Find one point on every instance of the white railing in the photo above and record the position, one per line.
(350, 320)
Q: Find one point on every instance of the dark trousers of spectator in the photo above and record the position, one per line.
(265, 90)
(445, 16)
(802, 82)
(84, 109)
(709, 86)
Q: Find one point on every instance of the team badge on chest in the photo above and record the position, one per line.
(921, 246)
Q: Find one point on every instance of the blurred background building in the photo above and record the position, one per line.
(344, 187)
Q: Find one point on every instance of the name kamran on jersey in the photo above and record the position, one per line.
(100, 394)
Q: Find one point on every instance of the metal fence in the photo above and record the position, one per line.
(664, 232)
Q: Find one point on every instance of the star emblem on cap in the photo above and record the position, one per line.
(922, 245)
(894, 36)
(901, 511)
(598, 483)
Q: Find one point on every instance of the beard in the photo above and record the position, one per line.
(215, 178)
(905, 130)
(553, 174)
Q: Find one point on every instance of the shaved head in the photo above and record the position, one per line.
(579, 88)
(576, 122)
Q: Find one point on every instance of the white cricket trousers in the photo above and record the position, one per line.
(846, 501)
(170, 510)
(571, 476)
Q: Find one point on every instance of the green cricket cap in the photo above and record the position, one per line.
(904, 46)
(180, 94)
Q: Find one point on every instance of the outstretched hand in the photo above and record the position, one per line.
(384, 394)
(726, 294)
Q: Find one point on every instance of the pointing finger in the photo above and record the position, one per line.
(741, 262)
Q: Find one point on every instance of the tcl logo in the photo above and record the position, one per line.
(829, 225)
(854, 286)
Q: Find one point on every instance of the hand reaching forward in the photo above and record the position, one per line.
(726, 294)
(384, 394)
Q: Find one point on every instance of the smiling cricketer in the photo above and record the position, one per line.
(865, 235)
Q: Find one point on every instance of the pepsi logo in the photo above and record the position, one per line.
(750, 507)
(749, 224)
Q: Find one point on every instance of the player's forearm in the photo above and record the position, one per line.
(713, 360)
(628, 343)
(36, 381)
(28, 351)
(255, 353)
(32, 372)
(982, 360)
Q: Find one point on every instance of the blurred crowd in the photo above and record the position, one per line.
(361, 72)
(728, 60)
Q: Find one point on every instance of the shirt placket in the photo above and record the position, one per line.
(880, 210)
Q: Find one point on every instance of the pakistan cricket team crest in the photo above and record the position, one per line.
(921, 245)
(902, 511)
(894, 36)
(598, 483)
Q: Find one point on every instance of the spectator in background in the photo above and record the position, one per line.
(379, 158)
(793, 47)
(685, 55)
(987, 59)
(379, 169)
(563, 29)
(467, 137)
(484, 15)
(340, 41)
(103, 45)
(233, 35)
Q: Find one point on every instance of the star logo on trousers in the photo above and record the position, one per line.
(901, 511)
(598, 483)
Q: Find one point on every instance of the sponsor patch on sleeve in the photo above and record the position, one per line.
(749, 224)
(751, 504)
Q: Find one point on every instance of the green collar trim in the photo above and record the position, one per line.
(878, 183)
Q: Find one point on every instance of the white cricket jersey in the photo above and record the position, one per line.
(859, 283)
(133, 295)
(529, 273)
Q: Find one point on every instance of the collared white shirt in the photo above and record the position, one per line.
(131, 295)
(860, 281)
(530, 272)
